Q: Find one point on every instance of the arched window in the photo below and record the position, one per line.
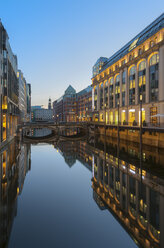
(142, 66)
(153, 75)
(142, 81)
(154, 59)
(132, 85)
(111, 92)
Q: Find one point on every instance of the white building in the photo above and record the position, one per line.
(41, 114)
(22, 96)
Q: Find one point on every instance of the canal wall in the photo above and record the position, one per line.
(151, 138)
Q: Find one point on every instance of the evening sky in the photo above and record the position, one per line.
(58, 42)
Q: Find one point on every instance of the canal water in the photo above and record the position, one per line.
(76, 194)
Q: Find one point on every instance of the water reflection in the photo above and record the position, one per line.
(132, 194)
(15, 163)
(129, 188)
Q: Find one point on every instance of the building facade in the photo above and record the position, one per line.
(28, 95)
(84, 104)
(72, 106)
(22, 96)
(132, 76)
(40, 114)
(9, 89)
(15, 94)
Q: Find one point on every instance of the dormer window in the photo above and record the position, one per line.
(140, 51)
(151, 43)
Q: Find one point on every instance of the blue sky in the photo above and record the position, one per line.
(58, 42)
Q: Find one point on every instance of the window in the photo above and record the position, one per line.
(153, 75)
(151, 43)
(142, 81)
(95, 98)
(153, 113)
(111, 93)
(140, 51)
(117, 90)
(132, 85)
(123, 88)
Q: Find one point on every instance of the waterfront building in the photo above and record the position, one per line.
(9, 89)
(28, 94)
(22, 96)
(73, 106)
(134, 74)
(84, 104)
(41, 114)
(64, 108)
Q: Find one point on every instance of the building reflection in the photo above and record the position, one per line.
(132, 194)
(14, 165)
(75, 150)
(128, 187)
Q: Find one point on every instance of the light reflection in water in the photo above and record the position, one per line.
(131, 194)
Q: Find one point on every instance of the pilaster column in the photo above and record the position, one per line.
(108, 94)
(114, 88)
(121, 88)
(93, 96)
(161, 73)
(103, 94)
(98, 97)
(126, 87)
(147, 81)
(136, 86)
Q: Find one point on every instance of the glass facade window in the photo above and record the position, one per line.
(123, 88)
(142, 81)
(153, 76)
(117, 90)
(111, 93)
(132, 85)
